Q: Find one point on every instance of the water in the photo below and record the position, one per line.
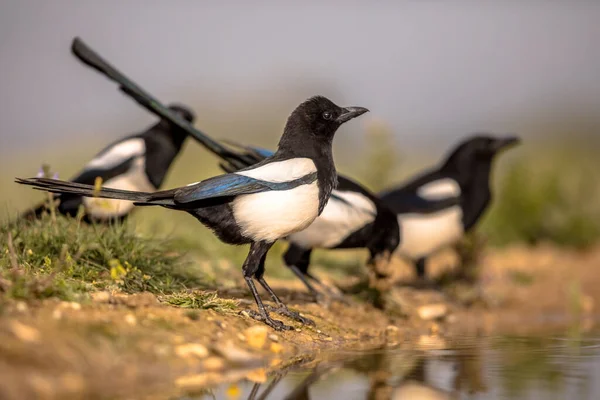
(551, 366)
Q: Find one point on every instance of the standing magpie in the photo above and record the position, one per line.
(353, 218)
(137, 162)
(465, 176)
(270, 200)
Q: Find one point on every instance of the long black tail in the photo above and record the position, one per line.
(162, 198)
(232, 159)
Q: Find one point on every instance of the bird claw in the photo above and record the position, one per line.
(283, 310)
(273, 323)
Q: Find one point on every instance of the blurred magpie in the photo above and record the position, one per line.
(270, 200)
(136, 162)
(353, 218)
(465, 176)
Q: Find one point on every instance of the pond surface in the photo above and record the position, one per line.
(561, 365)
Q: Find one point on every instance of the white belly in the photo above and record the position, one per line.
(422, 235)
(337, 221)
(135, 179)
(272, 215)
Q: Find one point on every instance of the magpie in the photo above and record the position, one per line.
(258, 205)
(353, 218)
(137, 162)
(465, 176)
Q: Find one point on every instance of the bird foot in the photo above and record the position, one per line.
(283, 310)
(273, 323)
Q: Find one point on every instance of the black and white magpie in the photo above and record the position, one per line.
(465, 176)
(353, 218)
(273, 199)
(137, 162)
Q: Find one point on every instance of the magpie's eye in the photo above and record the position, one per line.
(327, 115)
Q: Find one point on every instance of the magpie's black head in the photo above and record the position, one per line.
(316, 119)
(479, 150)
(183, 111)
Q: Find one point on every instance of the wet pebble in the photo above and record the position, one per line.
(214, 364)
(191, 350)
(432, 311)
(234, 354)
(256, 336)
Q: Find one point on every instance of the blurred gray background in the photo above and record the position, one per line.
(432, 70)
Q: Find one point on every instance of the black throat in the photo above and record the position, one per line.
(163, 144)
(475, 190)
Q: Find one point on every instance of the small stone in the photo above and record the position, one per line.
(191, 350)
(273, 337)
(256, 336)
(234, 354)
(214, 364)
(245, 313)
(24, 332)
(101, 297)
(432, 311)
(57, 314)
(241, 337)
(21, 306)
(257, 376)
(70, 305)
(276, 348)
(130, 319)
(416, 390)
(178, 339)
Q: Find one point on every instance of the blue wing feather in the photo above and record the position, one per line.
(220, 186)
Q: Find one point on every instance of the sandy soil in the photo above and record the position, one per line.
(134, 346)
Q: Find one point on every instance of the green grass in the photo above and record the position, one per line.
(62, 257)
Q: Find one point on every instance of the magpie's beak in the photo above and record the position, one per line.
(350, 112)
(503, 144)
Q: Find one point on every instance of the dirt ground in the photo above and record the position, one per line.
(135, 346)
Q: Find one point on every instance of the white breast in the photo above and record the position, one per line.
(272, 215)
(134, 179)
(422, 235)
(118, 154)
(337, 221)
(282, 171)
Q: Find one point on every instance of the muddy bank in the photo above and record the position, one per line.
(134, 346)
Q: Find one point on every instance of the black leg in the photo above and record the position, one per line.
(420, 267)
(297, 260)
(258, 251)
(281, 308)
